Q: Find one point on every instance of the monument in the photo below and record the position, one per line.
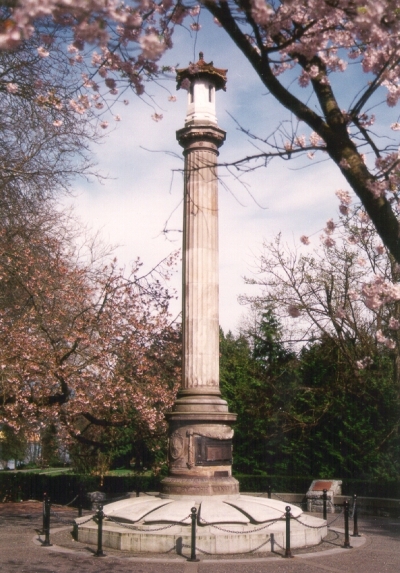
(200, 433)
(200, 425)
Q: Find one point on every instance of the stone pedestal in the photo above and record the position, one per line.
(314, 495)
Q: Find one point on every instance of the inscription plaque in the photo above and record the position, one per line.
(211, 452)
(321, 485)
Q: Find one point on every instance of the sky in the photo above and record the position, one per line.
(142, 194)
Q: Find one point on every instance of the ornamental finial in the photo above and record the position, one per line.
(199, 70)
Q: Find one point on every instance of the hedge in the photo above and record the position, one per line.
(62, 488)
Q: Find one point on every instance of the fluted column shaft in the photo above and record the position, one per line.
(200, 258)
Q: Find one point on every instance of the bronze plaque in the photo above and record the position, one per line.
(211, 452)
(321, 485)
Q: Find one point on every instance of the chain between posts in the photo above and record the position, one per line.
(334, 520)
(306, 524)
(90, 518)
(72, 501)
(243, 552)
(61, 519)
(239, 532)
(137, 528)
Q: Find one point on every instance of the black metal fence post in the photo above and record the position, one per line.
(324, 500)
(269, 490)
(288, 553)
(355, 517)
(346, 544)
(44, 511)
(100, 517)
(80, 499)
(193, 539)
(46, 521)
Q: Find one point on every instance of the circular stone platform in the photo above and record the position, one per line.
(225, 525)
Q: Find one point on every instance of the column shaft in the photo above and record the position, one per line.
(200, 271)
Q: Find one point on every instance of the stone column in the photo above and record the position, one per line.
(200, 434)
(200, 259)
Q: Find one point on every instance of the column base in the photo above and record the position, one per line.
(198, 488)
(200, 446)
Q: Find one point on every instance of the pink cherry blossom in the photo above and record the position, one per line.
(330, 227)
(364, 363)
(12, 88)
(379, 292)
(329, 242)
(343, 196)
(152, 47)
(340, 313)
(388, 342)
(294, 311)
(43, 53)
(394, 323)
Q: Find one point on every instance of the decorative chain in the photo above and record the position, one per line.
(306, 524)
(197, 549)
(83, 522)
(333, 520)
(243, 552)
(278, 544)
(238, 532)
(61, 519)
(136, 528)
(274, 542)
(71, 502)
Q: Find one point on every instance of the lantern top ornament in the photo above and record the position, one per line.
(201, 70)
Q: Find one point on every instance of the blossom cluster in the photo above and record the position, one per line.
(380, 292)
(327, 25)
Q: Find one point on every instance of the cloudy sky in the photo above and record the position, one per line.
(143, 193)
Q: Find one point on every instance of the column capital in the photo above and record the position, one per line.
(201, 135)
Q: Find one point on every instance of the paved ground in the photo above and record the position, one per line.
(377, 551)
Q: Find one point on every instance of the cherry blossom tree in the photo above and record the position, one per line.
(325, 46)
(345, 289)
(79, 338)
(44, 143)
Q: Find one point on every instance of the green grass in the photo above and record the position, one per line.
(125, 472)
(44, 471)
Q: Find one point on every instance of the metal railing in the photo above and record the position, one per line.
(195, 520)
